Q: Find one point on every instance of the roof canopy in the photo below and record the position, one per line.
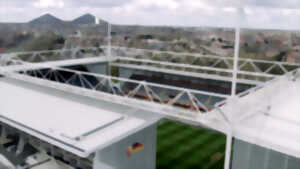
(269, 116)
(74, 123)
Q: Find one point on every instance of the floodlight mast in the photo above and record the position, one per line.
(109, 40)
(97, 21)
(229, 136)
(236, 52)
(109, 47)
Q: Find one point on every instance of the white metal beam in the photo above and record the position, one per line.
(187, 66)
(185, 73)
(200, 55)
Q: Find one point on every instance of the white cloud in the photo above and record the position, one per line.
(229, 9)
(196, 5)
(142, 5)
(258, 13)
(49, 4)
(167, 4)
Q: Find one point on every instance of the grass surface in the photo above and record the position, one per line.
(184, 147)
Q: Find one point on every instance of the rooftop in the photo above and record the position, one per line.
(75, 123)
(269, 116)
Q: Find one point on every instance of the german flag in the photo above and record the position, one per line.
(134, 148)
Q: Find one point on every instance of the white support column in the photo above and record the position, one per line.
(286, 162)
(109, 40)
(267, 158)
(98, 164)
(21, 145)
(235, 64)
(109, 48)
(228, 150)
(236, 48)
(229, 136)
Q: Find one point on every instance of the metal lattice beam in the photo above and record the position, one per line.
(191, 70)
(245, 65)
(185, 105)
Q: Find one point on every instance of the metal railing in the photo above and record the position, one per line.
(55, 55)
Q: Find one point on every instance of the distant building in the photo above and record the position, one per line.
(271, 53)
(76, 34)
(293, 56)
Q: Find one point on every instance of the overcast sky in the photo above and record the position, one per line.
(283, 14)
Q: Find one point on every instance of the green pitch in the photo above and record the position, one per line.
(184, 147)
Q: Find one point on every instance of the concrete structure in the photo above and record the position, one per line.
(254, 157)
(79, 125)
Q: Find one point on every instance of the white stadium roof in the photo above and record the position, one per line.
(266, 115)
(269, 116)
(80, 125)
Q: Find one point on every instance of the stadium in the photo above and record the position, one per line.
(114, 107)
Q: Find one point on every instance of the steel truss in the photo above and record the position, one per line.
(247, 67)
(182, 104)
(175, 102)
(250, 71)
(192, 71)
(185, 105)
(55, 55)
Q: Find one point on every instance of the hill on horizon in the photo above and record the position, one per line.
(87, 19)
(50, 19)
(47, 19)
